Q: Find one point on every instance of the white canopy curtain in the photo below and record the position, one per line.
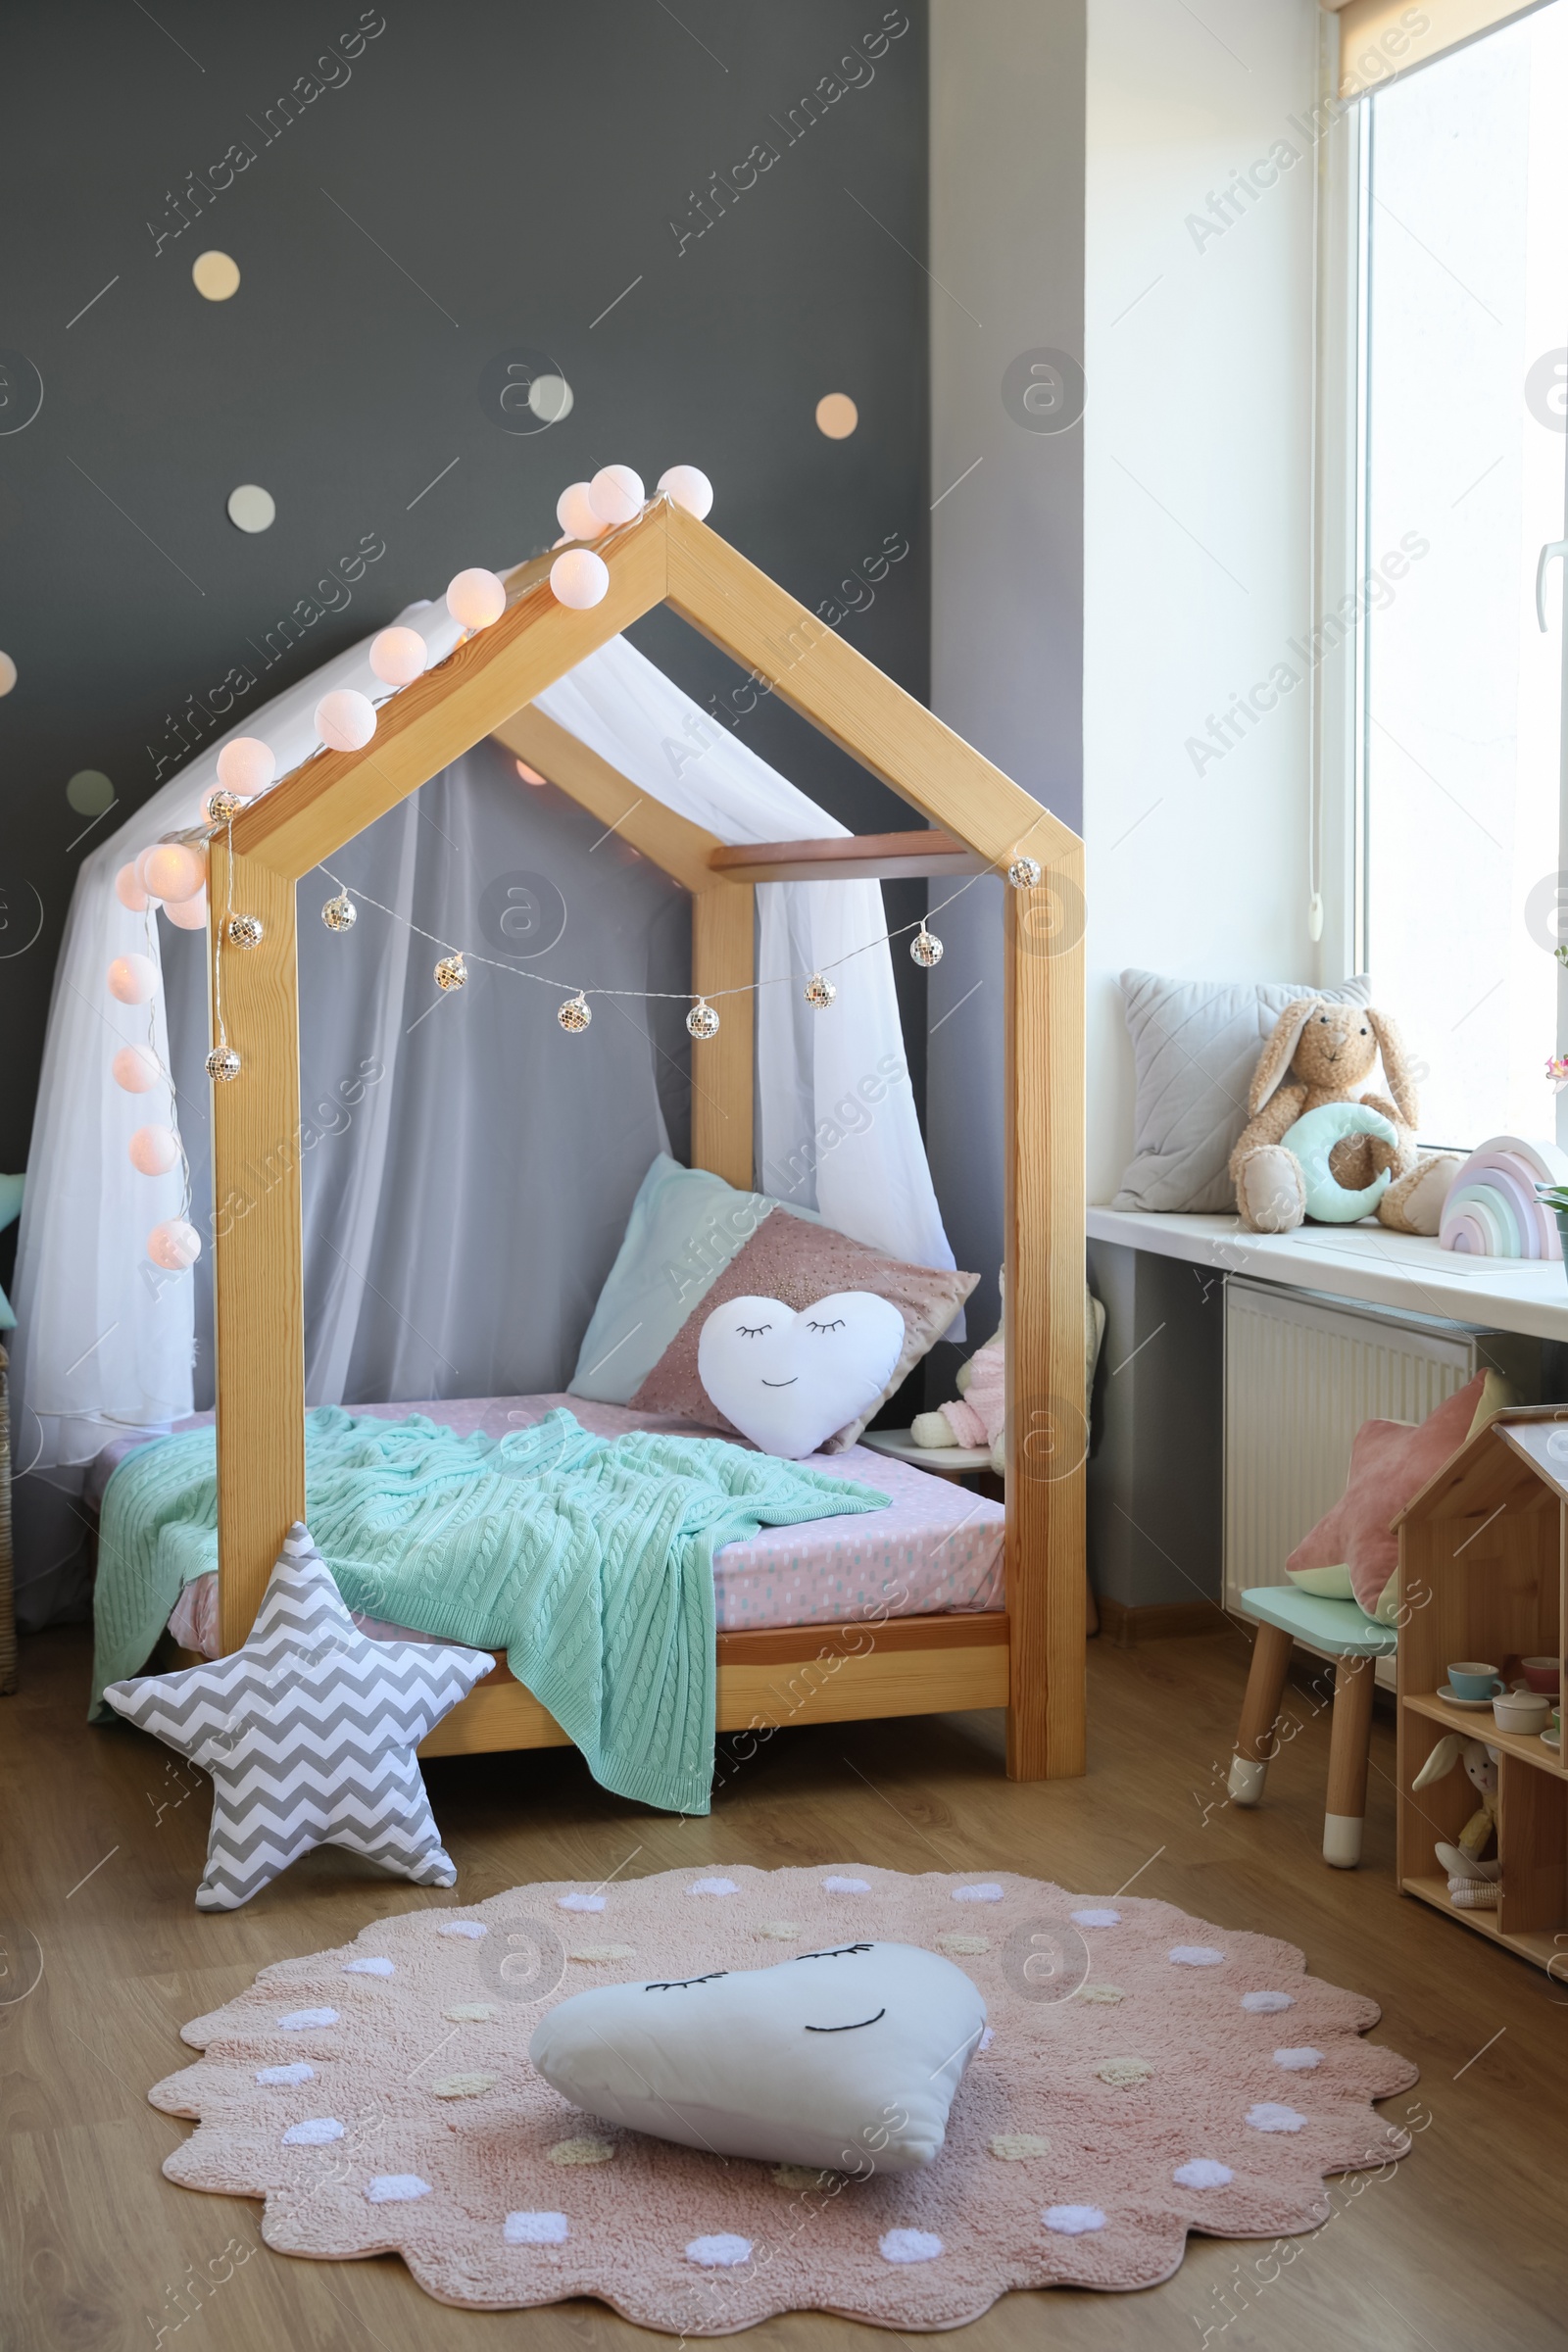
(438, 1258)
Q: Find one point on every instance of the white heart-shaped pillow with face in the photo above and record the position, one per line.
(788, 1381)
(846, 2059)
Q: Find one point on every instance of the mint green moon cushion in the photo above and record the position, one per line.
(1313, 1137)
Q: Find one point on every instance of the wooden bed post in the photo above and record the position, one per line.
(1048, 1428)
(723, 955)
(257, 1264)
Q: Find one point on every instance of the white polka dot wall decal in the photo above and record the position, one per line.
(580, 1902)
(215, 275)
(1195, 1955)
(1124, 2073)
(473, 1929)
(314, 2133)
(1020, 2147)
(1202, 2173)
(1269, 2116)
(470, 2013)
(845, 1885)
(299, 2072)
(535, 2229)
(780, 1930)
(1265, 2004)
(837, 416)
(1097, 1919)
(909, 2245)
(1072, 2221)
(251, 508)
(584, 2149)
(395, 2188)
(1298, 2061)
(724, 2251)
(598, 1953)
(713, 1887)
(463, 2086)
(985, 1893)
(8, 673)
(298, 2020)
(90, 792)
(367, 1968)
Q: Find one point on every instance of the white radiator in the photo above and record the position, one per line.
(1299, 1380)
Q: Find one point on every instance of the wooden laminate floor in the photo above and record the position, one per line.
(104, 1834)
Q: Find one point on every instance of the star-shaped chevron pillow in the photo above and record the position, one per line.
(309, 1733)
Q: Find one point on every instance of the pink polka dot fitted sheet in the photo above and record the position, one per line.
(936, 1547)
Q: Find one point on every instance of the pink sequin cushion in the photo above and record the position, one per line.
(788, 1259)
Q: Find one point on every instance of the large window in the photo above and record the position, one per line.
(1462, 888)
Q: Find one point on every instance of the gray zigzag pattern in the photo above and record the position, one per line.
(309, 1733)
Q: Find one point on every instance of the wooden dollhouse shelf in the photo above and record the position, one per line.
(1483, 1565)
(1472, 1724)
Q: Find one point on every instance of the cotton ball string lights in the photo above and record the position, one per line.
(340, 914)
(223, 1064)
(128, 890)
(575, 514)
(819, 992)
(689, 487)
(579, 578)
(154, 1151)
(925, 948)
(574, 1016)
(702, 1021)
(345, 719)
(134, 1069)
(477, 598)
(615, 493)
(451, 972)
(246, 766)
(133, 979)
(174, 1244)
(189, 915)
(399, 655)
(172, 871)
(1024, 872)
(8, 673)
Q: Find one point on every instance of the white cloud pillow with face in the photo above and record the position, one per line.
(788, 1381)
(846, 2059)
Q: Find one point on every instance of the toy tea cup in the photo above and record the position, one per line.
(1471, 1680)
(1543, 1674)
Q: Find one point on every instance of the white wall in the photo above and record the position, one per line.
(1197, 507)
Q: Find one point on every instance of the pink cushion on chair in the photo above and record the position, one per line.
(1389, 1462)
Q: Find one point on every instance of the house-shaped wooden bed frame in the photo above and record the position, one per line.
(1029, 1656)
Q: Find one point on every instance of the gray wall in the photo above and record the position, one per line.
(467, 180)
(1007, 579)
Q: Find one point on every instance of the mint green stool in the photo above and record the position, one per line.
(1355, 1642)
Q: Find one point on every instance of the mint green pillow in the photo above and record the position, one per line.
(685, 1227)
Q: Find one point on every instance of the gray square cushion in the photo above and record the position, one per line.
(1196, 1044)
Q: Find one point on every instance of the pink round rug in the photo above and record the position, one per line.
(1146, 2074)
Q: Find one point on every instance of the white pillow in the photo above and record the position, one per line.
(685, 1227)
(845, 2059)
(1195, 1045)
(788, 1381)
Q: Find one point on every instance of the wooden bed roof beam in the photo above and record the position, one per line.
(850, 857)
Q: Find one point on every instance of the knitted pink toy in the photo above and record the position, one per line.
(978, 1414)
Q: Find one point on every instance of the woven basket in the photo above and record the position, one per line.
(8, 1614)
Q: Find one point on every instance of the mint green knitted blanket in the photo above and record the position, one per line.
(588, 1561)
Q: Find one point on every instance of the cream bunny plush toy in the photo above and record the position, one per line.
(1473, 1878)
(1320, 1053)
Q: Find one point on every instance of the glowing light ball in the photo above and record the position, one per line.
(133, 979)
(477, 598)
(134, 1069)
(615, 493)
(139, 868)
(345, 720)
(529, 775)
(8, 673)
(129, 892)
(575, 514)
(246, 766)
(398, 657)
(189, 915)
(689, 488)
(173, 872)
(579, 578)
(174, 1244)
(154, 1151)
